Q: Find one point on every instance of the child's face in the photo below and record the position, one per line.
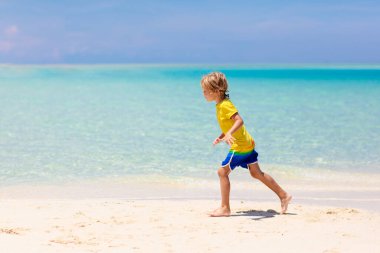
(210, 95)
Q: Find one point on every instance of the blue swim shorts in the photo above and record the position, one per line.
(242, 159)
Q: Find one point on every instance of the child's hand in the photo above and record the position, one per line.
(229, 139)
(216, 141)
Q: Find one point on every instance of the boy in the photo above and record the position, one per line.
(242, 146)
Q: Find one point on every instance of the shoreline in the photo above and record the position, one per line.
(364, 195)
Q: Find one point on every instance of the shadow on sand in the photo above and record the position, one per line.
(259, 214)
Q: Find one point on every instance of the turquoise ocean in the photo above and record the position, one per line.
(87, 122)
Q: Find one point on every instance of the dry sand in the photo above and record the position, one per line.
(117, 225)
(329, 213)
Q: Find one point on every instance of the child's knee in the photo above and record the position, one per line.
(223, 171)
(255, 172)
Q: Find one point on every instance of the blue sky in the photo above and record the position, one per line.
(225, 32)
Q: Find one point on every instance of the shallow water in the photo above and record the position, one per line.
(61, 123)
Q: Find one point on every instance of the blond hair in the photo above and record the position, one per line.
(216, 82)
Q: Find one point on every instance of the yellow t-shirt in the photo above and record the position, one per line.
(243, 140)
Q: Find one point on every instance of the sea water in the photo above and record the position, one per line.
(64, 123)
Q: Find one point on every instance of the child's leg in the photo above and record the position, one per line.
(256, 172)
(224, 209)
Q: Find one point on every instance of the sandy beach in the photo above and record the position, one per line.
(111, 225)
(178, 223)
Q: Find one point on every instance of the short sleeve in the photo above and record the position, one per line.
(229, 109)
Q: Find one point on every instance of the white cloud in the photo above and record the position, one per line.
(11, 30)
(8, 44)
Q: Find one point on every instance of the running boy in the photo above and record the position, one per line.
(242, 146)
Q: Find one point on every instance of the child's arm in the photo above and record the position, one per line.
(228, 138)
(219, 139)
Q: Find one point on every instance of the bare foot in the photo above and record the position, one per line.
(221, 212)
(284, 203)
